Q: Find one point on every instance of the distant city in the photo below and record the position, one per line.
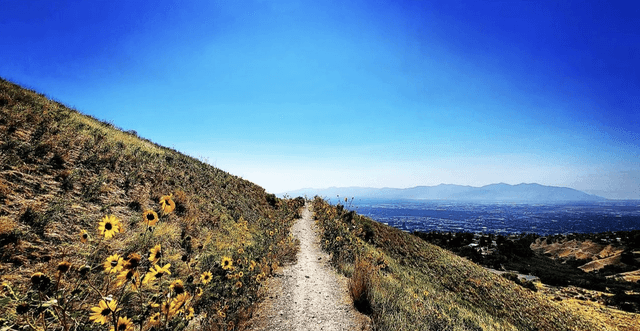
(501, 218)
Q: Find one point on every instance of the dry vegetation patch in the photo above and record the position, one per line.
(413, 285)
(101, 229)
(599, 256)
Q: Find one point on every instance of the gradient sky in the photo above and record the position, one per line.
(293, 94)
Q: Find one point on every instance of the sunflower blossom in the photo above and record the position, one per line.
(152, 275)
(134, 261)
(227, 263)
(166, 204)
(177, 304)
(155, 254)
(154, 320)
(206, 277)
(150, 218)
(113, 264)
(128, 275)
(84, 236)
(177, 286)
(101, 313)
(124, 324)
(166, 309)
(109, 226)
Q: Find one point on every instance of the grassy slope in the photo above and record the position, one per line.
(408, 284)
(61, 172)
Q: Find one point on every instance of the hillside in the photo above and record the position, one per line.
(405, 283)
(521, 193)
(100, 228)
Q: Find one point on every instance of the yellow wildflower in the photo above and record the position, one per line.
(113, 264)
(156, 253)
(124, 324)
(154, 320)
(166, 309)
(129, 275)
(177, 286)
(150, 218)
(134, 261)
(189, 314)
(40, 281)
(152, 275)
(166, 204)
(227, 263)
(206, 277)
(109, 226)
(178, 303)
(101, 313)
(84, 236)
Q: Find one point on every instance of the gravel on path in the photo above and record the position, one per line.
(308, 295)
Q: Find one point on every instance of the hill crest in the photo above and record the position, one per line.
(89, 212)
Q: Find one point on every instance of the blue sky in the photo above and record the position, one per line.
(293, 94)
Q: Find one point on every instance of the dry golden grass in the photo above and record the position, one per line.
(360, 284)
(418, 286)
(62, 172)
(600, 255)
(601, 263)
(614, 318)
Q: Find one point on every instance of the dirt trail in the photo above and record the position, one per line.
(308, 295)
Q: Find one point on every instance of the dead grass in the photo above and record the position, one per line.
(418, 286)
(599, 256)
(360, 285)
(62, 172)
(7, 226)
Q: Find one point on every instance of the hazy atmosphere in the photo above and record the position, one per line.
(294, 94)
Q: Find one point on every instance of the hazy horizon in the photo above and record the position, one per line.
(296, 94)
(415, 186)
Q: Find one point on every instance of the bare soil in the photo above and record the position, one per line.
(308, 295)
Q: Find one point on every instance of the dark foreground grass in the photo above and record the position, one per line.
(404, 283)
(101, 229)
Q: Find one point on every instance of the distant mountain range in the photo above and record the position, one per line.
(524, 193)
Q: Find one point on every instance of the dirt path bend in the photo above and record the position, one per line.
(308, 295)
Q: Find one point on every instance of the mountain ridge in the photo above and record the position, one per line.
(497, 192)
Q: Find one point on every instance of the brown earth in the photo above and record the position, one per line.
(600, 255)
